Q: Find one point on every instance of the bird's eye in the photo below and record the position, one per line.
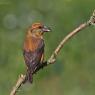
(31, 29)
(40, 27)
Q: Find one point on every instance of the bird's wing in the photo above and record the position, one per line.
(33, 58)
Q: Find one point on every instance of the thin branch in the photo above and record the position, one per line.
(52, 59)
(62, 43)
(18, 84)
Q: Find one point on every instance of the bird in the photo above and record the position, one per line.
(33, 48)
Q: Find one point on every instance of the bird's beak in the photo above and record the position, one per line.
(46, 29)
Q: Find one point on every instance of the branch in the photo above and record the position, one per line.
(52, 59)
(91, 21)
(18, 84)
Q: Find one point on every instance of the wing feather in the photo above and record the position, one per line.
(33, 58)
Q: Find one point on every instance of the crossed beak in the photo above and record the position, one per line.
(46, 29)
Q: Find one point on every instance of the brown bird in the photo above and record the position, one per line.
(33, 50)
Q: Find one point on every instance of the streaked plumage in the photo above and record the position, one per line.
(33, 50)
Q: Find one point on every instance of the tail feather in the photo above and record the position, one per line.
(29, 76)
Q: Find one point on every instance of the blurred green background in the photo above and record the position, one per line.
(74, 71)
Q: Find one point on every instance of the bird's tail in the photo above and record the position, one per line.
(29, 76)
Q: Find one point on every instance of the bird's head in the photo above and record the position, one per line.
(38, 29)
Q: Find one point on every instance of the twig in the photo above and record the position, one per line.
(18, 84)
(52, 59)
(91, 21)
(62, 43)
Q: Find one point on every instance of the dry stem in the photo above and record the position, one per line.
(52, 59)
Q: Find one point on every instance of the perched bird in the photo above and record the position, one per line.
(33, 49)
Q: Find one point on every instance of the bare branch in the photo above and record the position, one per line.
(18, 84)
(62, 43)
(92, 19)
(52, 59)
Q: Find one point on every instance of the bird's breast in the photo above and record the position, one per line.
(31, 43)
